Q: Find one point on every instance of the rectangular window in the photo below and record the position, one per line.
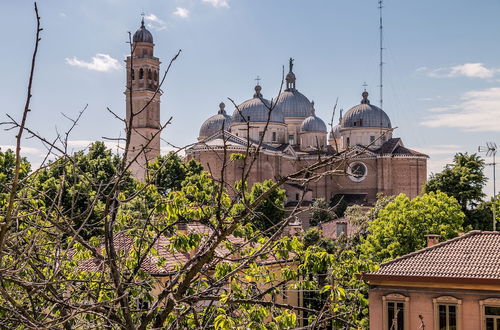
(341, 228)
(372, 139)
(291, 139)
(492, 317)
(274, 136)
(447, 317)
(348, 142)
(296, 197)
(395, 315)
(261, 135)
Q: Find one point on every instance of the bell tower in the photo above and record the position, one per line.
(143, 102)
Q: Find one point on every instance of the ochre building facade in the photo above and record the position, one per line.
(287, 136)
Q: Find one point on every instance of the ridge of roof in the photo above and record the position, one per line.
(437, 246)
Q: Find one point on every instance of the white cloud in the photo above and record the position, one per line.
(469, 70)
(181, 12)
(100, 62)
(63, 15)
(24, 150)
(166, 149)
(218, 3)
(155, 22)
(477, 111)
(83, 144)
(441, 149)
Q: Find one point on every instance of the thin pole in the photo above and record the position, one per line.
(494, 195)
(381, 64)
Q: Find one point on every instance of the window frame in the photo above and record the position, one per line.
(396, 298)
(490, 302)
(450, 301)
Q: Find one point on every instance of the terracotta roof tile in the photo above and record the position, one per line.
(123, 243)
(475, 255)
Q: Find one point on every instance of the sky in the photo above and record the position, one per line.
(441, 72)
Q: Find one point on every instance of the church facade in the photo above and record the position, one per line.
(292, 137)
(286, 136)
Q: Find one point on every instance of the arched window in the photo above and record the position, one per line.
(141, 73)
(132, 74)
(150, 75)
(156, 75)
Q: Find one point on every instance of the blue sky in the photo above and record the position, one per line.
(442, 73)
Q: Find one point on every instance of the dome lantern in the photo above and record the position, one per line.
(290, 77)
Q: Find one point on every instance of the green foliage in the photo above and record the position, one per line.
(330, 268)
(168, 172)
(7, 167)
(401, 226)
(272, 210)
(464, 179)
(79, 185)
(482, 217)
(321, 212)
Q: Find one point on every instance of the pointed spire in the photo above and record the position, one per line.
(290, 64)
(313, 111)
(142, 20)
(340, 118)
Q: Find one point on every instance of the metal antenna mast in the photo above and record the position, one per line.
(491, 150)
(381, 64)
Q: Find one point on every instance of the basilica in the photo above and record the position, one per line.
(291, 136)
(285, 135)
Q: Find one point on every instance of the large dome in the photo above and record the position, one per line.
(313, 124)
(294, 104)
(215, 123)
(365, 115)
(257, 110)
(142, 34)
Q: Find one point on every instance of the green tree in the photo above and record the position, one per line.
(482, 216)
(464, 179)
(321, 212)
(401, 226)
(272, 210)
(7, 167)
(167, 172)
(78, 186)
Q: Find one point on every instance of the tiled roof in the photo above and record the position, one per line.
(475, 255)
(123, 243)
(394, 146)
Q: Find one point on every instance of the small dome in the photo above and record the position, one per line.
(142, 34)
(215, 123)
(294, 104)
(313, 123)
(256, 109)
(365, 115)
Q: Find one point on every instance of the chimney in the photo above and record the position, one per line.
(182, 227)
(432, 239)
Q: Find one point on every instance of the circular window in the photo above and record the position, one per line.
(357, 172)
